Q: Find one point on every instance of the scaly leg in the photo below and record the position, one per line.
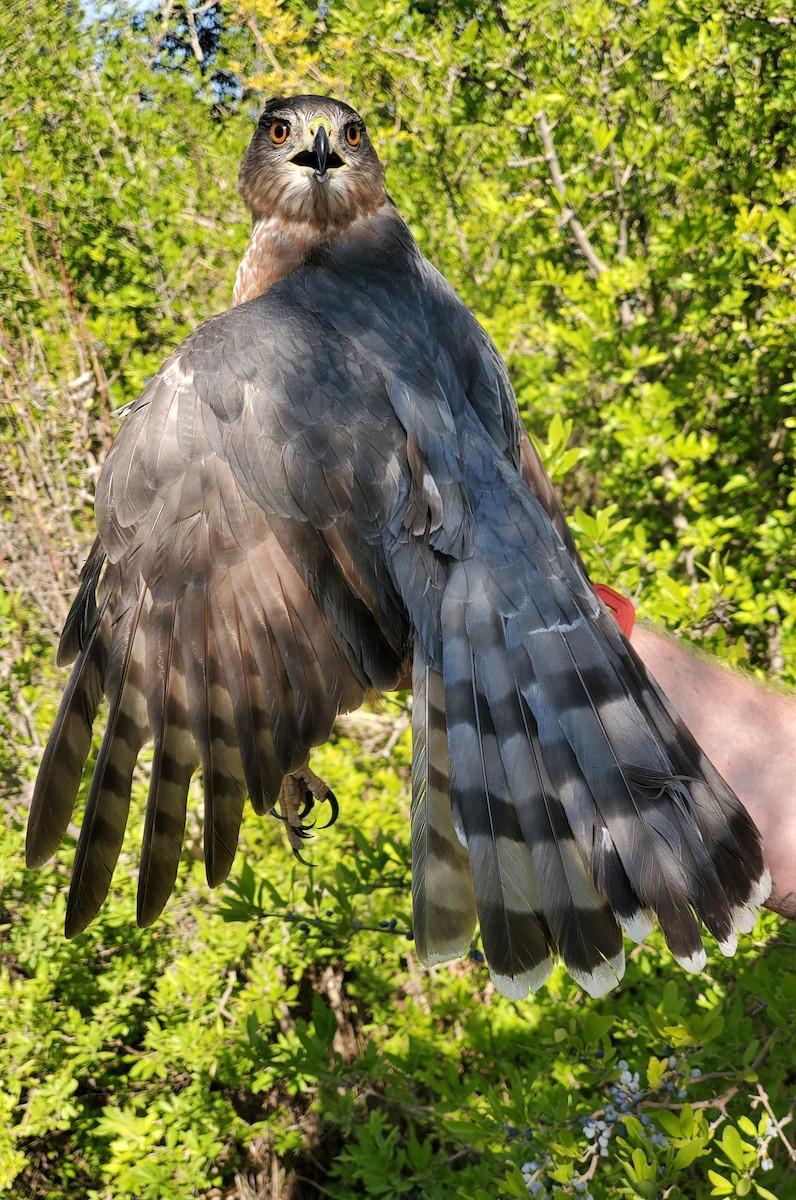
(300, 792)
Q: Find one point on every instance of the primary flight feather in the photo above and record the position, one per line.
(321, 489)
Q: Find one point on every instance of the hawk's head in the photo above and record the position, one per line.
(311, 161)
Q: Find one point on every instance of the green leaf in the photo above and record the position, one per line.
(734, 1147)
(721, 1186)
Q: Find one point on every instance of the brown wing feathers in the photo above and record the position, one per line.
(126, 730)
(174, 760)
(85, 638)
(244, 680)
(225, 660)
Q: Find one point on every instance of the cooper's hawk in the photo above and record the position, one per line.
(319, 487)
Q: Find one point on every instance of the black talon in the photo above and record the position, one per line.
(307, 806)
(293, 809)
(333, 805)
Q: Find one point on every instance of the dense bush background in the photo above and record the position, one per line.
(611, 188)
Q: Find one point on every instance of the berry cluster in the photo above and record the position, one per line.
(626, 1099)
(536, 1181)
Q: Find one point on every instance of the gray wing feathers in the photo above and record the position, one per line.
(443, 900)
(578, 921)
(582, 803)
(515, 937)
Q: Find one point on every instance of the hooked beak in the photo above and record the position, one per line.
(322, 151)
(319, 156)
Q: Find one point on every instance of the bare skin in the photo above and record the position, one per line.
(749, 733)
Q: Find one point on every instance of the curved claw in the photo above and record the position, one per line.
(301, 791)
(331, 799)
(307, 806)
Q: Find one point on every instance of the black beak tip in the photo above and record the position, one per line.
(322, 150)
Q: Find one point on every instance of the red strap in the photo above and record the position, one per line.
(620, 606)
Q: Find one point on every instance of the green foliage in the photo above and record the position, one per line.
(285, 1020)
(610, 187)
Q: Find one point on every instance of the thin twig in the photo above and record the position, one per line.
(596, 264)
(777, 1124)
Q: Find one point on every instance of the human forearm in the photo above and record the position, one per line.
(749, 733)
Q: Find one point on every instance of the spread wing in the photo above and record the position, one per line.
(229, 611)
(317, 486)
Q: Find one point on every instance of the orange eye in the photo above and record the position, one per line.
(279, 132)
(353, 134)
